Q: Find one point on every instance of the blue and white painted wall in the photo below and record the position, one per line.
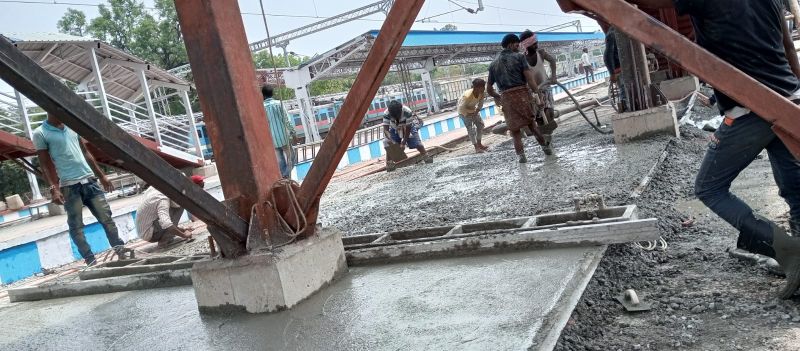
(374, 150)
(27, 255)
(8, 216)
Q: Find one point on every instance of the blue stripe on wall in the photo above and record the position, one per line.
(483, 113)
(375, 149)
(491, 110)
(437, 127)
(451, 124)
(95, 236)
(302, 169)
(19, 262)
(353, 156)
(424, 133)
(2, 219)
(25, 213)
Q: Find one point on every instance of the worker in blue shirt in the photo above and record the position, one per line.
(73, 173)
(282, 130)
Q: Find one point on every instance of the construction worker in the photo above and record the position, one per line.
(586, 63)
(157, 217)
(611, 60)
(512, 74)
(73, 174)
(282, 130)
(399, 129)
(470, 105)
(543, 101)
(751, 35)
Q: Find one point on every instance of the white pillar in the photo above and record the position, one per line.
(98, 77)
(430, 91)
(149, 103)
(307, 116)
(192, 125)
(26, 123)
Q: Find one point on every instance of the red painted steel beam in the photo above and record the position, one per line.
(768, 104)
(232, 104)
(381, 55)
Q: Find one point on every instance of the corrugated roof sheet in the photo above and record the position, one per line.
(45, 37)
(68, 59)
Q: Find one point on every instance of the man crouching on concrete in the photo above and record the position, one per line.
(157, 217)
(398, 128)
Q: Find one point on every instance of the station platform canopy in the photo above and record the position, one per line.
(425, 49)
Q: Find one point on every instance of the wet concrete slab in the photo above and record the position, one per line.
(499, 302)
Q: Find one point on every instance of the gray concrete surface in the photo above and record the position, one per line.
(491, 302)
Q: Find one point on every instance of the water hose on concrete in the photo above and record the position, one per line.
(580, 110)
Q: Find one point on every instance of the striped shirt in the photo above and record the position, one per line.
(404, 119)
(156, 207)
(280, 127)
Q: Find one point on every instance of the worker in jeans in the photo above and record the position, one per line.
(753, 36)
(73, 174)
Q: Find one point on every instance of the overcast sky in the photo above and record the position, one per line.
(499, 15)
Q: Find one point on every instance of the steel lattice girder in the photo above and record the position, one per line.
(765, 102)
(39, 86)
(348, 59)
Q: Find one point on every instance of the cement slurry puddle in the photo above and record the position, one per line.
(497, 302)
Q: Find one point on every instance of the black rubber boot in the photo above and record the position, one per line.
(787, 253)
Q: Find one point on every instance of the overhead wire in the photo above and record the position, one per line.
(425, 20)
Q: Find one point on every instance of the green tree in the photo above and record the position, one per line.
(73, 22)
(158, 39)
(13, 180)
(263, 59)
(118, 22)
(449, 28)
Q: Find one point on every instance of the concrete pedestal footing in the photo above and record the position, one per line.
(270, 281)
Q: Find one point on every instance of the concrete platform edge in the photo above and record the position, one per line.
(557, 318)
(102, 286)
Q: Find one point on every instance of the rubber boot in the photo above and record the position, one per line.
(787, 253)
(522, 158)
(390, 166)
(548, 147)
(428, 158)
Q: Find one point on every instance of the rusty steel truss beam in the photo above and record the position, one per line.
(379, 60)
(765, 102)
(26, 76)
(232, 104)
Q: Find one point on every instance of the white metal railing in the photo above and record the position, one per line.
(174, 132)
(10, 120)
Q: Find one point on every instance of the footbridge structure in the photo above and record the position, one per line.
(144, 100)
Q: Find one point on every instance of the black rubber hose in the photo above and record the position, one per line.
(578, 106)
